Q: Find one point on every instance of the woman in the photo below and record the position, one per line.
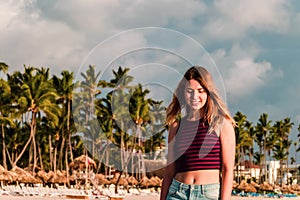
(201, 147)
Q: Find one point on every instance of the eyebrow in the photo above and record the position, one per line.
(188, 87)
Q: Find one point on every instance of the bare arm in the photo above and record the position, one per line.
(228, 155)
(170, 168)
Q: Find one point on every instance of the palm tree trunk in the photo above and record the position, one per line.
(122, 150)
(9, 158)
(54, 158)
(33, 131)
(105, 153)
(280, 173)
(50, 151)
(3, 147)
(70, 146)
(40, 155)
(68, 129)
(30, 154)
(265, 160)
(67, 167)
(260, 166)
(60, 161)
(18, 157)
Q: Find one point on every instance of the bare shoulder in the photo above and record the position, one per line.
(173, 129)
(227, 128)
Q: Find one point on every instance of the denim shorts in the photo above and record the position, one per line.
(182, 191)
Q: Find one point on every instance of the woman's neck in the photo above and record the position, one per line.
(193, 116)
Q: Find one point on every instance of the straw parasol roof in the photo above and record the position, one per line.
(235, 184)
(246, 187)
(6, 175)
(266, 187)
(122, 180)
(145, 182)
(132, 181)
(81, 162)
(100, 178)
(287, 190)
(2, 169)
(295, 187)
(23, 176)
(44, 176)
(255, 184)
(155, 181)
(58, 177)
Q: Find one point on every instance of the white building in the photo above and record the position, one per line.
(272, 169)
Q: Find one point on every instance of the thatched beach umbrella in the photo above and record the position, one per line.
(82, 162)
(266, 187)
(254, 184)
(132, 181)
(58, 177)
(122, 180)
(145, 182)
(115, 178)
(295, 187)
(155, 181)
(235, 184)
(6, 176)
(2, 169)
(101, 180)
(23, 176)
(287, 190)
(44, 176)
(246, 187)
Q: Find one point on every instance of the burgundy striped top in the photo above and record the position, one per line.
(195, 148)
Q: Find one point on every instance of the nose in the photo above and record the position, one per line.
(195, 93)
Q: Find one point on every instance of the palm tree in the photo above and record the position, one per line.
(107, 123)
(65, 87)
(89, 91)
(139, 109)
(263, 128)
(281, 147)
(17, 136)
(40, 98)
(5, 110)
(155, 129)
(3, 67)
(244, 140)
(298, 149)
(287, 128)
(115, 105)
(294, 159)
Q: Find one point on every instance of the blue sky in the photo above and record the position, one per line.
(255, 44)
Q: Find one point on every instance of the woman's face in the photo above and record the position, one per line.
(195, 95)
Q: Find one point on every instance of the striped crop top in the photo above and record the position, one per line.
(195, 148)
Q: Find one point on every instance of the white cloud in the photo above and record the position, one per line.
(8, 11)
(60, 34)
(241, 72)
(234, 18)
(28, 39)
(246, 75)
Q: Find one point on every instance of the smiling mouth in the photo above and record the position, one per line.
(195, 103)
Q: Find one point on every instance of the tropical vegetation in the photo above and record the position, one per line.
(47, 120)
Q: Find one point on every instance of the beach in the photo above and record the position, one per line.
(129, 197)
(152, 196)
(13, 192)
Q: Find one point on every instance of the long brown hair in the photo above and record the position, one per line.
(215, 109)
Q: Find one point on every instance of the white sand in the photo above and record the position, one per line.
(127, 197)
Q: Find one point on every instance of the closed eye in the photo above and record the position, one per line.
(201, 90)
